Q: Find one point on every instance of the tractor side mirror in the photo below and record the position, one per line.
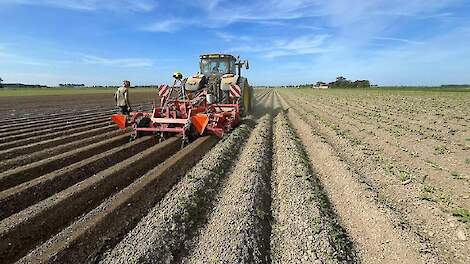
(247, 65)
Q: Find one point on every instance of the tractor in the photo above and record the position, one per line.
(210, 102)
(221, 75)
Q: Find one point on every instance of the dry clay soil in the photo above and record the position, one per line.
(309, 177)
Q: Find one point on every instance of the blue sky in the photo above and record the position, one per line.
(390, 42)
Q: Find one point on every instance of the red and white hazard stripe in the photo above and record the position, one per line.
(235, 91)
(164, 90)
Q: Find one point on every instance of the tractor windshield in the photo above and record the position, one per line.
(217, 66)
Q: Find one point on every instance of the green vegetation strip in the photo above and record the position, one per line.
(462, 214)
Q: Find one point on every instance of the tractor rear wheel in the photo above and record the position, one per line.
(247, 94)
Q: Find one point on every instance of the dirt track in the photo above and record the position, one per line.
(287, 186)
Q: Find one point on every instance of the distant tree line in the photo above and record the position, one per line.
(455, 85)
(71, 85)
(342, 82)
(21, 85)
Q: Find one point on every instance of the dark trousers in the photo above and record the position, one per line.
(125, 110)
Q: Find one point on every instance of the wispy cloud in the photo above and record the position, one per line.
(310, 44)
(408, 41)
(373, 16)
(169, 25)
(11, 58)
(91, 5)
(227, 37)
(219, 14)
(361, 39)
(16, 57)
(416, 15)
(126, 62)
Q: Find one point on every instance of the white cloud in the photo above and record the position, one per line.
(211, 4)
(126, 62)
(345, 34)
(170, 25)
(219, 14)
(408, 41)
(36, 78)
(143, 5)
(14, 57)
(227, 37)
(10, 58)
(415, 15)
(309, 44)
(438, 61)
(336, 13)
(92, 5)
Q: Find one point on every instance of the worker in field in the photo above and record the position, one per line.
(122, 98)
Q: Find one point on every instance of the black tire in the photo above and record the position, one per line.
(192, 134)
(144, 122)
(247, 96)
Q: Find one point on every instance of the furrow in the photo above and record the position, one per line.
(27, 128)
(34, 120)
(69, 113)
(264, 105)
(185, 208)
(260, 97)
(75, 129)
(53, 151)
(85, 238)
(301, 232)
(20, 232)
(370, 225)
(28, 172)
(21, 196)
(20, 135)
(26, 149)
(238, 229)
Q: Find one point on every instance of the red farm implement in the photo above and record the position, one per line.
(210, 102)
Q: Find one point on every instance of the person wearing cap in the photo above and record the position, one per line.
(122, 98)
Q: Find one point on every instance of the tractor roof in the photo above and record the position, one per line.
(217, 56)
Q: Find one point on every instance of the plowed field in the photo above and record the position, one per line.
(309, 177)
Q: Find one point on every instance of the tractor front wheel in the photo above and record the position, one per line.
(143, 122)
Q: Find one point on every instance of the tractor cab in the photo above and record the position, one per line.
(220, 64)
